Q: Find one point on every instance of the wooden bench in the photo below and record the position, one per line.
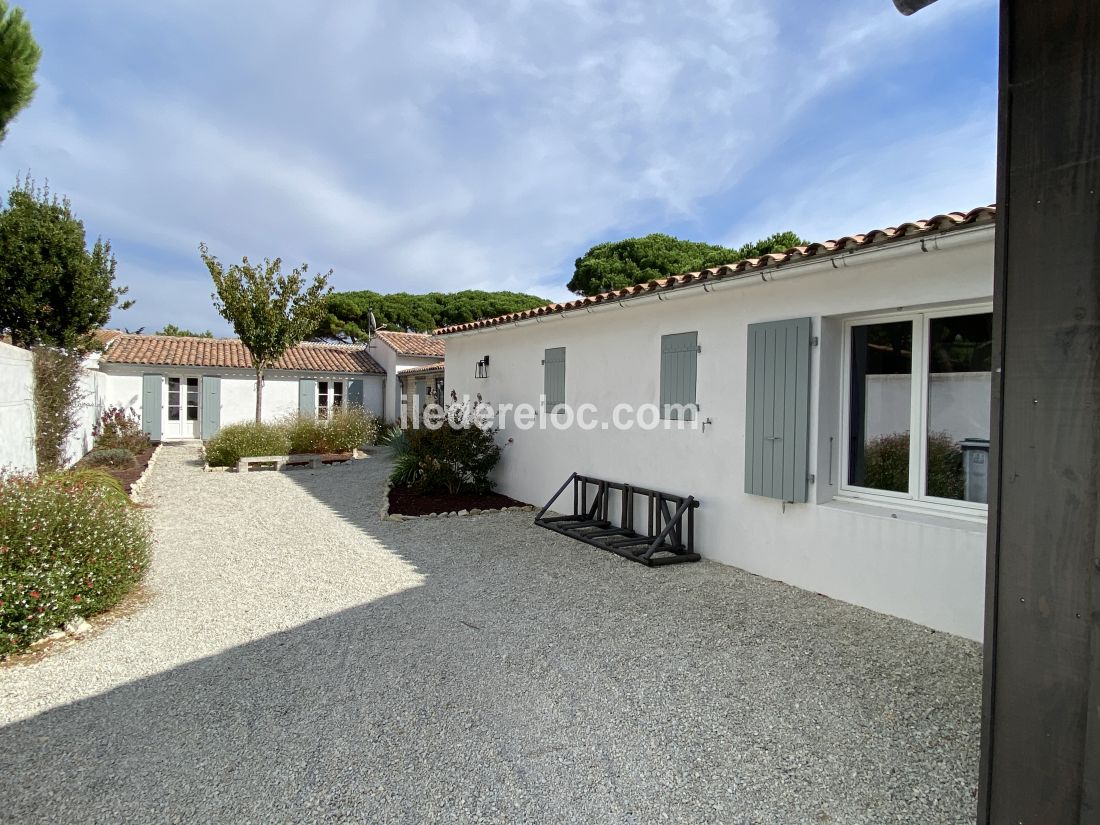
(310, 461)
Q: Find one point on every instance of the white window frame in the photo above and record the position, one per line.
(183, 398)
(918, 416)
(330, 395)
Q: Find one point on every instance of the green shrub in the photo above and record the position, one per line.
(450, 459)
(238, 441)
(406, 470)
(71, 544)
(113, 457)
(303, 433)
(946, 476)
(886, 465)
(57, 400)
(100, 479)
(120, 428)
(346, 429)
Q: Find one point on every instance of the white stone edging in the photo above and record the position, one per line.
(142, 480)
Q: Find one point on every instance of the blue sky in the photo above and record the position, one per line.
(444, 145)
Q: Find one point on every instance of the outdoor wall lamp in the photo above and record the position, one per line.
(481, 369)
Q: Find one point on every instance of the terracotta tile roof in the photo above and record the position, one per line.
(173, 351)
(438, 366)
(103, 336)
(849, 243)
(413, 343)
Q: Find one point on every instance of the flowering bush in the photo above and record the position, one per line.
(70, 545)
(238, 441)
(346, 429)
(120, 428)
(116, 458)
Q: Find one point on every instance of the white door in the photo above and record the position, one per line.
(181, 407)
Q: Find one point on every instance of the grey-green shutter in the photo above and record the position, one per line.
(421, 393)
(151, 405)
(777, 410)
(307, 397)
(355, 393)
(211, 406)
(553, 377)
(679, 367)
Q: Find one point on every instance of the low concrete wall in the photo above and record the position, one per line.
(16, 409)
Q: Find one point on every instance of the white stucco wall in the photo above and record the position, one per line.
(16, 409)
(927, 568)
(391, 362)
(91, 404)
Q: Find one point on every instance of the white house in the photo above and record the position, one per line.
(420, 386)
(187, 388)
(402, 354)
(843, 409)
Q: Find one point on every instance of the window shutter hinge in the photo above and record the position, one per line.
(699, 348)
(811, 478)
(815, 341)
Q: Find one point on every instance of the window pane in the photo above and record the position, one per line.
(880, 405)
(322, 399)
(192, 399)
(173, 399)
(337, 393)
(960, 352)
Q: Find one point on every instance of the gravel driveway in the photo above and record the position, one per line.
(298, 660)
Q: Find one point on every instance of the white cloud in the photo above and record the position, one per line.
(437, 145)
(863, 189)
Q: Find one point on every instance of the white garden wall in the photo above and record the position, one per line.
(91, 404)
(928, 568)
(16, 409)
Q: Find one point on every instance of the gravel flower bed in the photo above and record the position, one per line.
(300, 660)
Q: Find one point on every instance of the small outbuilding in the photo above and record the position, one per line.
(189, 387)
(407, 355)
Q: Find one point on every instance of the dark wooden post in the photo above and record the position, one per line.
(1041, 716)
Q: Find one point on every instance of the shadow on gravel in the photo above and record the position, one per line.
(529, 678)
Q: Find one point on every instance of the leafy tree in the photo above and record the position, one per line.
(172, 329)
(19, 55)
(270, 312)
(620, 264)
(347, 312)
(53, 290)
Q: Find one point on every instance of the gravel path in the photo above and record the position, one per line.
(299, 660)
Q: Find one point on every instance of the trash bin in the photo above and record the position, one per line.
(976, 468)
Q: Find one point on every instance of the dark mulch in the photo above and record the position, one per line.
(129, 476)
(406, 502)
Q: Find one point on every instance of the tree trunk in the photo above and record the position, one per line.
(259, 392)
